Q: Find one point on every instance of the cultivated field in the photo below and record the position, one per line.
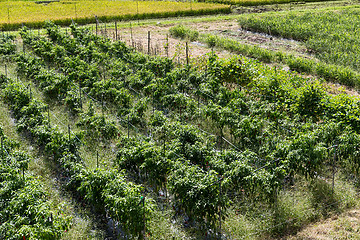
(15, 13)
(165, 140)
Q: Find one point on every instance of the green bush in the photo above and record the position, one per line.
(180, 31)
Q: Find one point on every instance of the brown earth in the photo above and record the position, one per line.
(137, 36)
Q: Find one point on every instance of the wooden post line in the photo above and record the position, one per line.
(102, 105)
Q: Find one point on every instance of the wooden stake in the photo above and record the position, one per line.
(105, 30)
(220, 210)
(80, 95)
(48, 112)
(144, 218)
(69, 130)
(30, 91)
(131, 36)
(333, 171)
(2, 147)
(187, 54)
(164, 141)
(8, 15)
(116, 32)
(97, 23)
(167, 45)
(128, 126)
(149, 42)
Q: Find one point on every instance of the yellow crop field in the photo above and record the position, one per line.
(18, 12)
(258, 2)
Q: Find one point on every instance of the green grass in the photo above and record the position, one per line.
(331, 34)
(180, 31)
(304, 203)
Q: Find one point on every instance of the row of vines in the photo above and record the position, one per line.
(25, 209)
(208, 135)
(337, 71)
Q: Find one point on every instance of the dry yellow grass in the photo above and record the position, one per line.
(17, 12)
(344, 226)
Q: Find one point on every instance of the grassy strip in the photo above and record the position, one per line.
(14, 14)
(260, 2)
(331, 34)
(330, 72)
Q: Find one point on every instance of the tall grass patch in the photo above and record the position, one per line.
(332, 35)
(296, 206)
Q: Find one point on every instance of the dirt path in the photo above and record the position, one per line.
(160, 38)
(137, 36)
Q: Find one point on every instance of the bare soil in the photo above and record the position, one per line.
(137, 36)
